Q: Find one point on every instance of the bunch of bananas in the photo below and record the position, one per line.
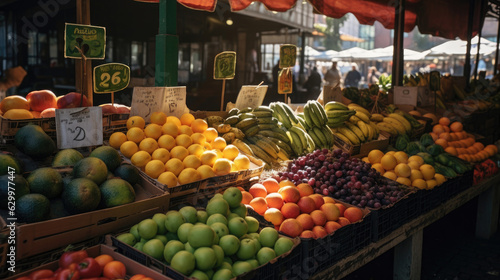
(314, 121)
(396, 123)
(337, 113)
(358, 128)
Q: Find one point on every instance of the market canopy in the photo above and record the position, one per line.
(458, 47)
(443, 18)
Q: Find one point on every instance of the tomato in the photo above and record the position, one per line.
(114, 270)
(137, 277)
(23, 278)
(103, 259)
(40, 274)
(72, 257)
(89, 268)
(95, 278)
(69, 273)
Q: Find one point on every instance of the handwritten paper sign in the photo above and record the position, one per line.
(79, 127)
(285, 83)
(225, 65)
(111, 77)
(90, 39)
(250, 96)
(288, 56)
(146, 100)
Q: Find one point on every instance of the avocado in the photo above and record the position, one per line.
(34, 142)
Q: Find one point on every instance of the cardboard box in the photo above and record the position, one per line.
(36, 238)
(362, 150)
(132, 266)
(416, 96)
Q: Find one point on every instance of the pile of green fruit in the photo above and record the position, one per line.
(220, 242)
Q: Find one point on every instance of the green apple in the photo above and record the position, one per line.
(223, 274)
(241, 267)
(201, 236)
(139, 246)
(218, 205)
(265, 254)
(268, 237)
(172, 247)
(127, 238)
(144, 240)
(247, 250)
(253, 224)
(205, 258)
(245, 236)
(189, 214)
(135, 232)
(171, 235)
(220, 229)
(238, 226)
(226, 265)
(253, 262)
(154, 248)
(216, 196)
(202, 216)
(216, 239)
(254, 235)
(160, 218)
(147, 229)
(241, 210)
(174, 220)
(257, 244)
(189, 248)
(219, 254)
(230, 244)
(283, 245)
(183, 231)
(232, 216)
(228, 259)
(200, 275)
(209, 273)
(233, 196)
(216, 218)
(162, 238)
(184, 262)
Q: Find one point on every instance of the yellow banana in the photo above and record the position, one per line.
(402, 120)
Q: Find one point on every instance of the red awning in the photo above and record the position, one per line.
(443, 18)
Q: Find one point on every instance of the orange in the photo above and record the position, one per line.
(328, 199)
(290, 210)
(154, 168)
(158, 118)
(210, 134)
(375, 156)
(416, 158)
(306, 221)
(390, 175)
(353, 214)
(136, 121)
(183, 140)
(258, 190)
(319, 217)
(308, 234)
(103, 259)
(402, 170)
(445, 135)
(290, 194)
(291, 227)
(453, 136)
(441, 142)
(379, 168)
(451, 151)
(401, 157)
(419, 183)
(438, 129)
(332, 212)
(306, 204)
(199, 125)
(184, 129)
(388, 162)
(427, 171)
(129, 148)
(478, 145)
(343, 221)
(305, 189)
(332, 226)
(444, 121)
(456, 127)
(174, 120)
(271, 185)
(274, 200)
(140, 159)
(403, 180)
(149, 145)
(439, 178)
(416, 174)
(259, 204)
(274, 216)
(431, 183)
(246, 197)
(319, 231)
(171, 129)
(434, 136)
(187, 119)
(318, 199)
(166, 141)
(446, 128)
(135, 134)
(117, 139)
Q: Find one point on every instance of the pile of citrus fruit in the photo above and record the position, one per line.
(297, 210)
(457, 142)
(409, 171)
(177, 150)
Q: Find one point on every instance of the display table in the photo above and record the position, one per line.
(407, 239)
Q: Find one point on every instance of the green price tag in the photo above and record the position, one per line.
(288, 55)
(91, 40)
(225, 65)
(111, 77)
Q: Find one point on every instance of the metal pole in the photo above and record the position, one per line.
(495, 70)
(480, 34)
(167, 45)
(469, 38)
(397, 60)
(302, 58)
(83, 82)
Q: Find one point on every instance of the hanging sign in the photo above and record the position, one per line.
(169, 100)
(288, 56)
(79, 127)
(285, 81)
(91, 40)
(111, 77)
(250, 96)
(225, 65)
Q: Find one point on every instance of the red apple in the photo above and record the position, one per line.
(71, 100)
(108, 108)
(48, 113)
(122, 109)
(40, 100)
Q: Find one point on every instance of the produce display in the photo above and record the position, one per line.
(219, 242)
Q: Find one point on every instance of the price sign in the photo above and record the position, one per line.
(285, 81)
(250, 96)
(111, 77)
(288, 56)
(225, 65)
(174, 101)
(90, 39)
(79, 127)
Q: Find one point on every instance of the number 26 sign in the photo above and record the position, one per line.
(111, 77)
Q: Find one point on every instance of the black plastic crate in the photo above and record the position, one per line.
(466, 180)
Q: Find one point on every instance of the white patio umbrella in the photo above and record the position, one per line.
(459, 47)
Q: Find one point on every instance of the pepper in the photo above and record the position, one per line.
(89, 268)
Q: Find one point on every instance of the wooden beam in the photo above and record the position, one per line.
(83, 82)
(408, 257)
(488, 207)
(398, 52)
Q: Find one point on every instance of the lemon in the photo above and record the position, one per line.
(154, 168)
(168, 178)
(184, 129)
(206, 171)
(416, 158)
(170, 129)
(136, 121)
(388, 162)
(174, 165)
(174, 120)
(219, 143)
(117, 139)
(199, 125)
(161, 154)
(431, 183)
(140, 159)
(166, 141)
(158, 118)
(390, 175)
(179, 152)
(191, 161)
(427, 171)
(149, 145)
(414, 165)
(241, 162)
(208, 158)
(183, 140)
(416, 174)
(419, 183)
(210, 134)
(222, 166)
(129, 148)
(403, 180)
(374, 156)
(187, 119)
(379, 168)
(135, 134)
(401, 157)
(230, 152)
(153, 130)
(402, 170)
(188, 175)
(196, 149)
(198, 138)
(439, 178)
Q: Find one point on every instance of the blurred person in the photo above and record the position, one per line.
(332, 76)
(353, 77)
(313, 83)
(373, 76)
